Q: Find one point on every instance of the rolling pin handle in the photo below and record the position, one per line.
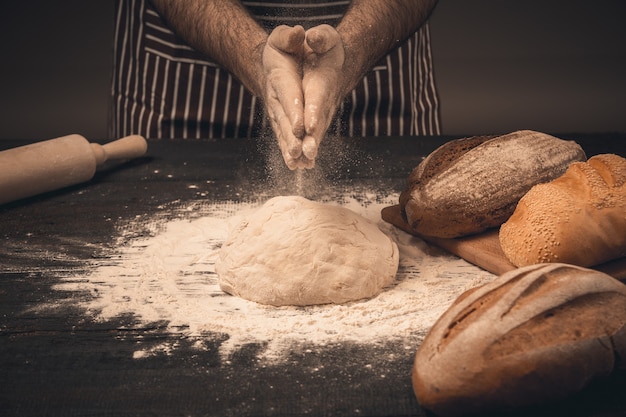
(98, 153)
(128, 147)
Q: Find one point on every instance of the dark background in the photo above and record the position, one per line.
(502, 65)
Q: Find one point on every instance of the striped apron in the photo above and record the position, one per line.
(162, 88)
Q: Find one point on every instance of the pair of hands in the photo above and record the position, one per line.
(303, 85)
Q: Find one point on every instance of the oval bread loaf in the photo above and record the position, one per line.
(534, 334)
(469, 185)
(578, 218)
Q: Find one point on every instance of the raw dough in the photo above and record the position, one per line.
(293, 251)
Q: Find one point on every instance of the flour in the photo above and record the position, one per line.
(168, 277)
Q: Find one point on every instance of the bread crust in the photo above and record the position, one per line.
(578, 218)
(469, 185)
(532, 335)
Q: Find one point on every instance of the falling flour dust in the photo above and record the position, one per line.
(169, 277)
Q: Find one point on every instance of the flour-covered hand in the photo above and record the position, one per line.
(322, 83)
(284, 101)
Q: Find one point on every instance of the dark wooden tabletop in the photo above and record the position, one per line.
(62, 362)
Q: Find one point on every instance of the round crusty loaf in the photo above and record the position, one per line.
(469, 185)
(535, 334)
(579, 218)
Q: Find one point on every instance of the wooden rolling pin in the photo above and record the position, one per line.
(52, 164)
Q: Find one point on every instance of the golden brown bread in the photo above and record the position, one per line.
(469, 185)
(535, 334)
(578, 218)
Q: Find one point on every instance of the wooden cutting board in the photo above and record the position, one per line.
(484, 249)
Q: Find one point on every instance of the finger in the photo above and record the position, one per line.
(287, 94)
(290, 146)
(310, 146)
(295, 110)
(316, 123)
(284, 89)
(304, 163)
(291, 162)
(291, 98)
(318, 114)
(300, 163)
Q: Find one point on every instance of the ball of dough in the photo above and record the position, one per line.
(293, 251)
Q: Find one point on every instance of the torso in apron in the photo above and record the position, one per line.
(162, 88)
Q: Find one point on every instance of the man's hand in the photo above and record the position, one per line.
(322, 83)
(303, 87)
(284, 100)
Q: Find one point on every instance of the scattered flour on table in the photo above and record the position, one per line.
(169, 277)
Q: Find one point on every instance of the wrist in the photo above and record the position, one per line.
(355, 66)
(255, 79)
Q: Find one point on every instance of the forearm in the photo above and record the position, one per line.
(224, 31)
(372, 28)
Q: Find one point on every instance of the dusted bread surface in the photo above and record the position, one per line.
(293, 251)
(469, 185)
(532, 335)
(579, 218)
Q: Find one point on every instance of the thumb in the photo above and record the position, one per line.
(322, 38)
(287, 39)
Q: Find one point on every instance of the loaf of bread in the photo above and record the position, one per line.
(469, 185)
(578, 218)
(533, 335)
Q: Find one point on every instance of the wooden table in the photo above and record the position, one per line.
(59, 362)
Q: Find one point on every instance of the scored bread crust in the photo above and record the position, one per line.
(532, 335)
(469, 185)
(578, 218)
